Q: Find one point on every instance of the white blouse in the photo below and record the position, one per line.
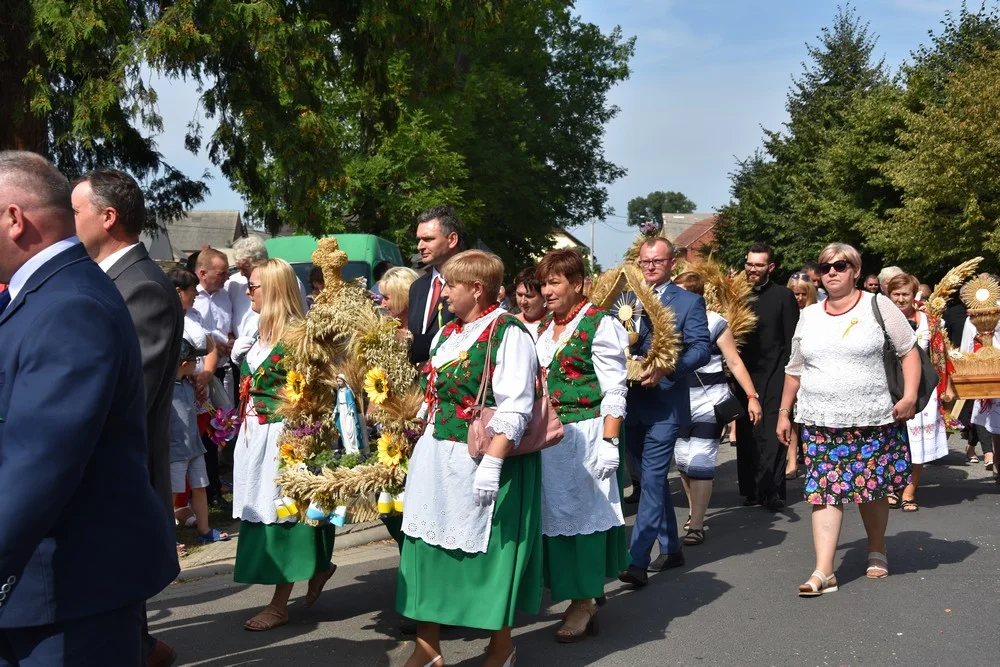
(838, 359)
(608, 355)
(513, 375)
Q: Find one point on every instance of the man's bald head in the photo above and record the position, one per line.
(36, 208)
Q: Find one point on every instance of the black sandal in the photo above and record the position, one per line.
(909, 506)
(694, 537)
(893, 500)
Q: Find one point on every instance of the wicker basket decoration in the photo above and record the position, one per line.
(977, 374)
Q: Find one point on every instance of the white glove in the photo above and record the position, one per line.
(607, 459)
(487, 482)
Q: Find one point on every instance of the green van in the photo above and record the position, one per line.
(365, 252)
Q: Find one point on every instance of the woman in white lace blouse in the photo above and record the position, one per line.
(582, 350)
(472, 552)
(854, 436)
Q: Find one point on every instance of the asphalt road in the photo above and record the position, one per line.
(734, 602)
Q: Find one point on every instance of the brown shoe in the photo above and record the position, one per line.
(161, 655)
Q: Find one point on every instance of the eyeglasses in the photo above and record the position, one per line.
(251, 288)
(756, 266)
(659, 261)
(839, 266)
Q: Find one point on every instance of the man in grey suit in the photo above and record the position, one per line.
(110, 212)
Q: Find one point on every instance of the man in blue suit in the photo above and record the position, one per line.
(657, 407)
(72, 442)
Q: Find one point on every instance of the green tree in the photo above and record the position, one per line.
(655, 204)
(947, 169)
(790, 195)
(354, 116)
(73, 90)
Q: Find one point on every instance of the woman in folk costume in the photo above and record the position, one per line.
(349, 419)
(271, 550)
(472, 554)
(582, 349)
(928, 437)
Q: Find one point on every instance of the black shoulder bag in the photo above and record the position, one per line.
(894, 367)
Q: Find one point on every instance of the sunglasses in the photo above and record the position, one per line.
(839, 266)
(251, 288)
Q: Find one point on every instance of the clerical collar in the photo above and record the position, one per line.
(767, 283)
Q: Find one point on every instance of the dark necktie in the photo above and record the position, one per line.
(4, 300)
(435, 295)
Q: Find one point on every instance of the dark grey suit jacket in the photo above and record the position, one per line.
(159, 320)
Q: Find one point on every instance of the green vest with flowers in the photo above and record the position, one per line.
(261, 391)
(457, 382)
(572, 379)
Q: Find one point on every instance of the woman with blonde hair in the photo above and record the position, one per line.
(803, 288)
(472, 552)
(805, 293)
(852, 427)
(271, 550)
(394, 287)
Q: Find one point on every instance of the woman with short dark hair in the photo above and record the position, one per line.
(528, 296)
(582, 350)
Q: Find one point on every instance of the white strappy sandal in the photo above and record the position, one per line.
(884, 568)
(434, 661)
(810, 590)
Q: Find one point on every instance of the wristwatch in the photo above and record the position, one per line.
(613, 441)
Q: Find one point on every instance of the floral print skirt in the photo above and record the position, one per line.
(857, 465)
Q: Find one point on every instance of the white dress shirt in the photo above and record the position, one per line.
(435, 275)
(21, 276)
(216, 312)
(110, 260)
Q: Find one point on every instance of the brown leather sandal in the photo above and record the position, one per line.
(268, 618)
(581, 622)
(316, 585)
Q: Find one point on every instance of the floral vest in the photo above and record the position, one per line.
(572, 380)
(451, 389)
(261, 391)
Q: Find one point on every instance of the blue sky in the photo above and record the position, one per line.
(707, 74)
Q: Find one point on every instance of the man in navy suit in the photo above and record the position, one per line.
(439, 238)
(72, 442)
(657, 407)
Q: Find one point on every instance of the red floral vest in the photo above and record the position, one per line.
(572, 380)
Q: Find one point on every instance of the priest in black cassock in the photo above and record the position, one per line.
(760, 457)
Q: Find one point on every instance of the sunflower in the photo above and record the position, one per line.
(288, 454)
(376, 386)
(389, 453)
(295, 386)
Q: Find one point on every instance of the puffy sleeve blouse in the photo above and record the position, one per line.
(838, 359)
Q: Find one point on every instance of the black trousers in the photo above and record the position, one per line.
(760, 458)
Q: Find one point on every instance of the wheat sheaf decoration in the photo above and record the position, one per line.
(344, 333)
(624, 293)
(730, 296)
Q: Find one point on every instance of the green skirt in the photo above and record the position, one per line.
(281, 553)
(576, 567)
(482, 590)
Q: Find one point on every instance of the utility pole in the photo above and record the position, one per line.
(593, 224)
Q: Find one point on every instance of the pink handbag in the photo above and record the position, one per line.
(544, 429)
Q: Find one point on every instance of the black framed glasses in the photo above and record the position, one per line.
(839, 266)
(659, 261)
